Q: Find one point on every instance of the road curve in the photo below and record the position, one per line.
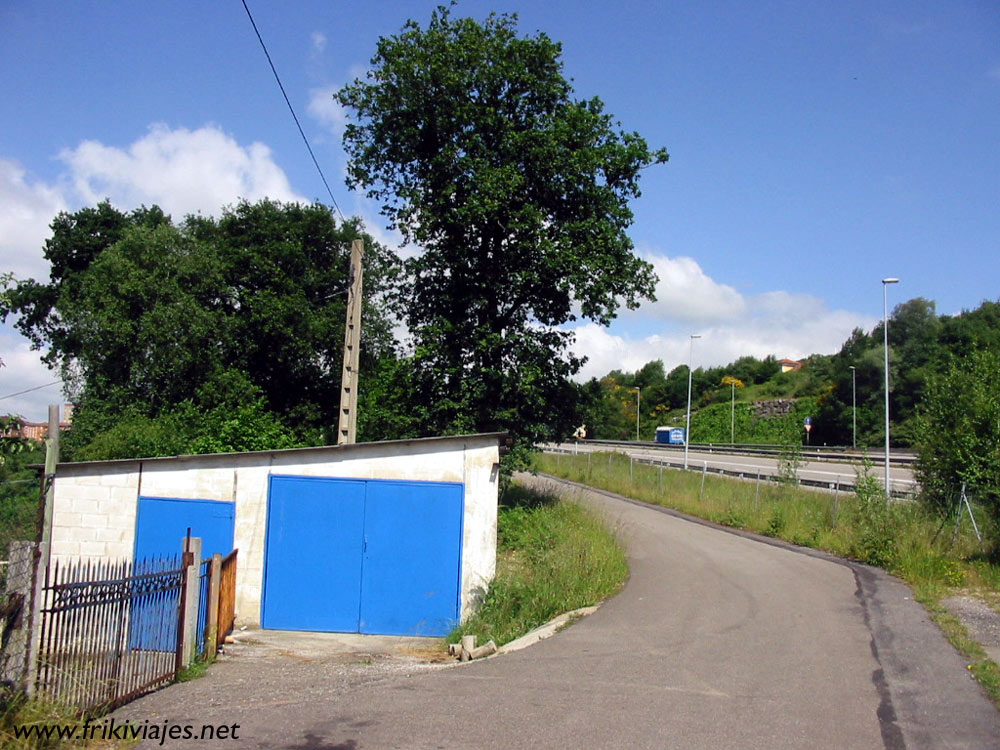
(718, 641)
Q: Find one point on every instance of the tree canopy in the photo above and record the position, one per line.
(957, 433)
(516, 194)
(146, 320)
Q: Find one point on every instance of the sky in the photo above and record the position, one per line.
(815, 147)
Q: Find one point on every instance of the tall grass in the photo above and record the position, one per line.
(16, 711)
(904, 538)
(553, 556)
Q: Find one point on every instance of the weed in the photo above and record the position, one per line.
(789, 463)
(876, 541)
(18, 712)
(776, 523)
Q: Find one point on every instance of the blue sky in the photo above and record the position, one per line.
(815, 147)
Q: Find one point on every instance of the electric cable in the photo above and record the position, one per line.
(292, 110)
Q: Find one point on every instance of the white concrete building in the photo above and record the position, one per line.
(403, 531)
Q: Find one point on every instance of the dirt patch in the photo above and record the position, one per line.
(980, 619)
(267, 668)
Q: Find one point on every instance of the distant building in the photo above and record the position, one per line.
(25, 430)
(789, 365)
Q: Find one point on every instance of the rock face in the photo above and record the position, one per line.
(775, 408)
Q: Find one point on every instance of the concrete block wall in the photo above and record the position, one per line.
(95, 503)
(94, 512)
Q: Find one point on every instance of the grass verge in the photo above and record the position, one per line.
(936, 557)
(31, 724)
(553, 556)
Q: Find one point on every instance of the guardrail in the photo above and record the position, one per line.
(903, 489)
(824, 453)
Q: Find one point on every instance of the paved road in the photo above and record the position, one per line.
(833, 473)
(717, 641)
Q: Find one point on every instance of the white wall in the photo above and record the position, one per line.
(95, 504)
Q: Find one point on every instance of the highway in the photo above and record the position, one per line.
(834, 471)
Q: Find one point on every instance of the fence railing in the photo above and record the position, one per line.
(109, 631)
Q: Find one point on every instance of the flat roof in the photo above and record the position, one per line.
(497, 436)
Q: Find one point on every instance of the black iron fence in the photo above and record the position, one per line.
(108, 631)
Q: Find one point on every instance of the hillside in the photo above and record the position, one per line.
(732, 401)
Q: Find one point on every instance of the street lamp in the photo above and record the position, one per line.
(854, 407)
(637, 390)
(885, 334)
(687, 428)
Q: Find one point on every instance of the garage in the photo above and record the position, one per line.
(394, 537)
(367, 556)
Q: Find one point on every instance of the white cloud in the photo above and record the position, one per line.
(326, 110)
(23, 371)
(183, 171)
(318, 39)
(730, 325)
(685, 293)
(26, 209)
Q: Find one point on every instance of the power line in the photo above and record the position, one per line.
(292, 110)
(29, 390)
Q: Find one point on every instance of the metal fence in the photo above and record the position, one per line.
(108, 631)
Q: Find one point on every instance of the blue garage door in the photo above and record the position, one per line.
(363, 556)
(162, 524)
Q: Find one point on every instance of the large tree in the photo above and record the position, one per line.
(153, 324)
(516, 194)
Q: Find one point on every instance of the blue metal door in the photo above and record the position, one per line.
(312, 578)
(160, 527)
(413, 542)
(162, 523)
(367, 556)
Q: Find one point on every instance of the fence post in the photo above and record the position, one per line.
(187, 630)
(42, 555)
(212, 615)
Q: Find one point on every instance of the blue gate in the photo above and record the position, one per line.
(363, 556)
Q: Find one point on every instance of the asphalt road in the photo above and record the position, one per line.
(717, 641)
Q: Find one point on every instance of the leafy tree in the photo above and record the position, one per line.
(958, 433)
(243, 314)
(518, 195)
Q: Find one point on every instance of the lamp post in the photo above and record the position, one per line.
(854, 407)
(687, 428)
(885, 334)
(637, 390)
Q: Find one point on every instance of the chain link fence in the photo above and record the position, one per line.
(20, 503)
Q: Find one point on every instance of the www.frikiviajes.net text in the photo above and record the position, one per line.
(110, 729)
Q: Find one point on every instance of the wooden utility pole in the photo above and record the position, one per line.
(348, 425)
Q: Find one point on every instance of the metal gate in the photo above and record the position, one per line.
(85, 659)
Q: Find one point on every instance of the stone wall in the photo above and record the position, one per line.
(778, 407)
